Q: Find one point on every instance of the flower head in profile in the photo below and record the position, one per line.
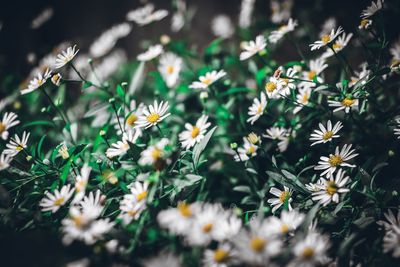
(66, 56)
(193, 134)
(328, 165)
(153, 114)
(154, 154)
(121, 147)
(288, 222)
(365, 24)
(253, 47)
(303, 98)
(280, 134)
(346, 104)
(372, 9)
(17, 144)
(340, 43)
(326, 39)
(151, 53)
(10, 119)
(257, 108)
(325, 134)
(37, 82)
(276, 35)
(330, 189)
(5, 161)
(81, 182)
(146, 15)
(247, 151)
(208, 79)
(170, 67)
(281, 198)
(53, 201)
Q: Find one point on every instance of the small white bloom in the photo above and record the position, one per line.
(253, 47)
(194, 133)
(164, 259)
(66, 56)
(151, 53)
(281, 10)
(63, 151)
(281, 198)
(37, 82)
(5, 161)
(365, 24)
(329, 190)
(208, 79)
(372, 9)
(329, 164)
(246, 10)
(391, 240)
(326, 39)
(316, 66)
(134, 203)
(52, 202)
(222, 256)
(303, 97)
(153, 114)
(170, 66)
(121, 147)
(340, 43)
(81, 182)
(10, 119)
(222, 26)
(178, 220)
(257, 108)
(246, 152)
(146, 15)
(17, 144)
(288, 222)
(346, 104)
(276, 35)
(274, 87)
(153, 154)
(325, 134)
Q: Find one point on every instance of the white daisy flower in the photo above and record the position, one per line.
(121, 147)
(255, 246)
(9, 120)
(246, 10)
(280, 134)
(81, 182)
(365, 24)
(178, 220)
(282, 197)
(328, 25)
(222, 27)
(275, 36)
(274, 87)
(246, 152)
(310, 251)
(139, 192)
(340, 43)
(151, 53)
(326, 39)
(329, 164)
(360, 76)
(257, 108)
(303, 97)
(281, 10)
(17, 144)
(391, 240)
(66, 56)
(170, 66)
(397, 130)
(253, 47)
(222, 256)
(164, 259)
(392, 221)
(288, 222)
(329, 190)
(194, 133)
(152, 154)
(52, 202)
(346, 104)
(130, 211)
(146, 15)
(5, 161)
(325, 134)
(289, 82)
(180, 16)
(132, 114)
(372, 9)
(36, 82)
(208, 79)
(153, 114)
(316, 66)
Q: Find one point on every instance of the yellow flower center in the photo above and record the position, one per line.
(284, 228)
(395, 63)
(109, 176)
(335, 160)
(364, 23)
(347, 102)
(326, 38)
(284, 195)
(2, 127)
(308, 253)
(170, 69)
(331, 188)
(337, 46)
(207, 227)
(80, 185)
(220, 255)
(253, 138)
(282, 28)
(286, 80)
(156, 154)
(78, 220)
(251, 150)
(270, 87)
(59, 201)
(206, 81)
(131, 119)
(19, 148)
(153, 117)
(328, 135)
(132, 213)
(184, 210)
(311, 74)
(305, 98)
(257, 244)
(141, 196)
(259, 109)
(195, 131)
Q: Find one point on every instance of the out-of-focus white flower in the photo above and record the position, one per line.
(178, 18)
(52, 202)
(163, 260)
(340, 43)
(208, 79)
(316, 67)
(42, 18)
(5, 161)
(81, 182)
(372, 9)
(326, 39)
(281, 135)
(36, 82)
(170, 66)
(329, 164)
(303, 98)
(257, 108)
(178, 220)
(194, 133)
(222, 256)
(246, 152)
(365, 24)
(281, 198)
(134, 203)
(108, 65)
(288, 222)
(151, 53)
(153, 114)
(276, 35)
(246, 10)
(391, 240)
(281, 10)
(152, 154)
(66, 56)
(121, 147)
(17, 144)
(253, 47)
(146, 15)
(222, 27)
(10, 119)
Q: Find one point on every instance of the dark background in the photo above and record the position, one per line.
(81, 21)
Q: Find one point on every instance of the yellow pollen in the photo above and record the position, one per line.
(325, 38)
(206, 81)
(308, 253)
(207, 227)
(335, 160)
(156, 153)
(195, 131)
(220, 255)
(395, 63)
(19, 148)
(257, 244)
(284, 195)
(251, 150)
(364, 23)
(153, 117)
(253, 138)
(184, 210)
(337, 46)
(259, 109)
(282, 28)
(331, 188)
(328, 135)
(2, 127)
(170, 69)
(131, 119)
(284, 228)
(59, 201)
(305, 98)
(312, 74)
(141, 196)
(286, 80)
(347, 102)
(78, 220)
(270, 87)
(132, 213)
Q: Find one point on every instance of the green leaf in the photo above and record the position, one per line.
(87, 84)
(65, 172)
(198, 149)
(120, 92)
(236, 90)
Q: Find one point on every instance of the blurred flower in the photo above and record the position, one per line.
(153, 154)
(52, 202)
(121, 147)
(281, 10)
(170, 66)
(194, 133)
(326, 39)
(151, 53)
(17, 144)
(365, 24)
(63, 151)
(5, 161)
(276, 35)
(56, 79)
(246, 11)
(36, 82)
(303, 97)
(222, 256)
(347, 104)
(257, 108)
(208, 79)
(288, 222)
(372, 9)
(81, 182)
(316, 66)
(222, 27)
(253, 47)
(340, 43)
(246, 152)
(163, 260)
(282, 197)
(178, 220)
(146, 15)
(65, 57)
(10, 119)
(324, 135)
